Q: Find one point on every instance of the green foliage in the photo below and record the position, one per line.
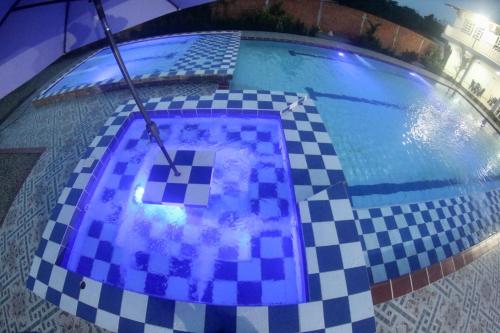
(368, 40)
(404, 16)
(272, 19)
(433, 61)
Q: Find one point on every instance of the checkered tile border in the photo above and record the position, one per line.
(398, 240)
(339, 295)
(213, 54)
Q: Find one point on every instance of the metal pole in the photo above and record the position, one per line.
(151, 126)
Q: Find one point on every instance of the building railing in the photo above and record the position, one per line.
(479, 46)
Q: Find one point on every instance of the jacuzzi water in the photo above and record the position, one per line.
(400, 138)
(141, 57)
(243, 249)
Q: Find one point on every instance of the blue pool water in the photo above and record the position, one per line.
(142, 57)
(400, 138)
(243, 248)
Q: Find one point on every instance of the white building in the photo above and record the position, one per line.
(475, 57)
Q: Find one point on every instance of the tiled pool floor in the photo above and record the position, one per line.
(243, 248)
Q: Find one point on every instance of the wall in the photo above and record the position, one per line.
(340, 20)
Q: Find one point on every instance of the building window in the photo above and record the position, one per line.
(478, 33)
(496, 47)
(468, 27)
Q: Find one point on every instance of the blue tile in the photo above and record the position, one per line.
(336, 311)
(356, 279)
(367, 226)
(283, 319)
(226, 270)
(58, 233)
(174, 193)
(329, 258)
(347, 231)
(53, 296)
(156, 284)
(85, 265)
(200, 175)
(375, 257)
(73, 197)
(110, 299)
(159, 173)
(72, 285)
(127, 325)
(104, 251)
(220, 319)
(375, 212)
(314, 287)
(383, 238)
(249, 293)
(365, 325)
(86, 312)
(44, 272)
(272, 269)
(160, 312)
(307, 234)
(320, 211)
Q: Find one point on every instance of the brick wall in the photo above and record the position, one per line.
(338, 19)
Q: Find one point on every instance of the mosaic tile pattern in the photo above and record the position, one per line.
(333, 304)
(214, 53)
(210, 55)
(402, 239)
(465, 301)
(191, 187)
(262, 269)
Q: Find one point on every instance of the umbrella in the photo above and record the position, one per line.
(34, 33)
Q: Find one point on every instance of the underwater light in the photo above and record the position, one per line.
(341, 54)
(138, 194)
(413, 74)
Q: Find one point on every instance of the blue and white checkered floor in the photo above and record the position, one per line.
(238, 250)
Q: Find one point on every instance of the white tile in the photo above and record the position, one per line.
(134, 306)
(297, 161)
(291, 135)
(361, 306)
(107, 320)
(311, 148)
(189, 317)
(68, 304)
(252, 319)
(311, 316)
(333, 284)
(40, 288)
(352, 255)
(325, 233)
(319, 177)
(346, 328)
(312, 260)
(341, 209)
(92, 292)
(197, 194)
(57, 278)
(148, 328)
(51, 252)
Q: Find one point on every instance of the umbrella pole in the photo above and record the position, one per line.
(151, 126)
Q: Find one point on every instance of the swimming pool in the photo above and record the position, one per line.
(141, 57)
(400, 137)
(243, 248)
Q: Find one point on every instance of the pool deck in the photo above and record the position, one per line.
(339, 290)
